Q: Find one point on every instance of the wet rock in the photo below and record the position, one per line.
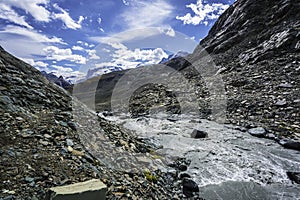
(189, 187)
(290, 144)
(257, 132)
(184, 175)
(182, 167)
(107, 113)
(198, 134)
(294, 176)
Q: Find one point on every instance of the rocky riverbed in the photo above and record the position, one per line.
(229, 163)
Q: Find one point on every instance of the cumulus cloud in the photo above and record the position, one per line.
(77, 48)
(202, 12)
(67, 72)
(55, 53)
(168, 31)
(66, 19)
(41, 64)
(92, 54)
(146, 14)
(126, 58)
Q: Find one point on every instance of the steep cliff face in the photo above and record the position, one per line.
(267, 25)
(256, 45)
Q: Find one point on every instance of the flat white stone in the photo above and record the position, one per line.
(90, 190)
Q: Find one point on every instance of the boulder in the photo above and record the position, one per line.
(189, 187)
(89, 190)
(294, 177)
(198, 134)
(257, 132)
(290, 144)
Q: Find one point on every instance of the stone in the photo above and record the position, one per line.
(198, 134)
(69, 142)
(189, 187)
(72, 125)
(182, 167)
(89, 190)
(285, 85)
(294, 176)
(29, 179)
(281, 102)
(290, 144)
(184, 175)
(257, 132)
(45, 143)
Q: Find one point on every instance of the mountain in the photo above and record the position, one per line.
(172, 56)
(50, 139)
(103, 70)
(97, 71)
(254, 46)
(60, 81)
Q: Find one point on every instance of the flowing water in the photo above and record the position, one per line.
(228, 164)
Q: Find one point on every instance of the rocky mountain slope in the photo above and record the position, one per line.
(48, 139)
(254, 47)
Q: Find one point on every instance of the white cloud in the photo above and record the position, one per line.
(30, 61)
(31, 34)
(92, 54)
(126, 36)
(77, 48)
(67, 72)
(55, 53)
(41, 64)
(82, 43)
(168, 31)
(202, 13)
(65, 17)
(9, 14)
(147, 14)
(126, 58)
(99, 20)
(126, 3)
(25, 43)
(35, 7)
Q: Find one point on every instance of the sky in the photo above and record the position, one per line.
(69, 37)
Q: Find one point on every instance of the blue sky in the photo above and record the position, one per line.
(68, 37)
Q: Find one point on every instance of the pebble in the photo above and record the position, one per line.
(45, 143)
(285, 85)
(69, 142)
(281, 102)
